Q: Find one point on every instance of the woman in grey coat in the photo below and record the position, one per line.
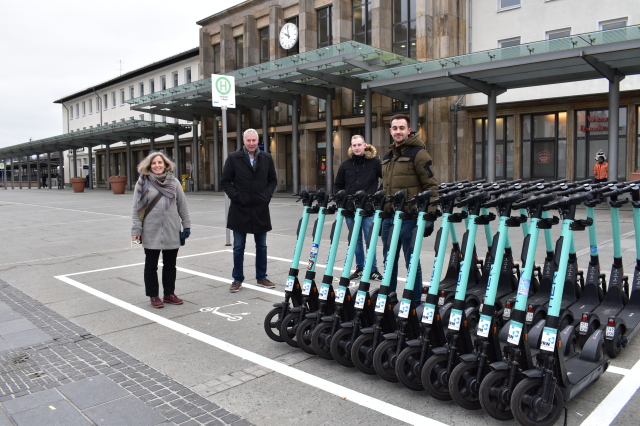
(160, 221)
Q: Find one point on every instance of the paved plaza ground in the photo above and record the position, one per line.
(80, 343)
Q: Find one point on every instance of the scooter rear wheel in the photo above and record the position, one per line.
(321, 340)
(303, 335)
(433, 377)
(362, 354)
(408, 368)
(614, 346)
(384, 360)
(289, 327)
(495, 396)
(272, 325)
(527, 397)
(341, 347)
(461, 384)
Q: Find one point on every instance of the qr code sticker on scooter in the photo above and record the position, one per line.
(340, 294)
(428, 313)
(515, 332)
(324, 292)
(380, 302)
(360, 298)
(455, 319)
(404, 309)
(483, 326)
(306, 287)
(290, 282)
(548, 342)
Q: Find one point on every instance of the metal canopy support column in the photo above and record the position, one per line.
(61, 154)
(38, 172)
(195, 160)
(13, 182)
(414, 115)
(216, 155)
(294, 149)
(239, 127)
(176, 155)
(128, 165)
(90, 168)
(152, 144)
(20, 172)
(107, 154)
(75, 163)
(49, 170)
(491, 136)
(614, 125)
(29, 171)
(367, 116)
(4, 174)
(265, 128)
(329, 139)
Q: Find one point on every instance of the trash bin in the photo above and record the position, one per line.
(183, 180)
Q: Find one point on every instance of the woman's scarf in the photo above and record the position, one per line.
(165, 184)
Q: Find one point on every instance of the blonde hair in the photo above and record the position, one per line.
(145, 165)
(358, 137)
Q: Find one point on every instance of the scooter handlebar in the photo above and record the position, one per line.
(505, 198)
(477, 196)
(534, 200)
(574, 199)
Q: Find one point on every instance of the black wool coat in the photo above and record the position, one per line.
(359, 173)
(250, 190)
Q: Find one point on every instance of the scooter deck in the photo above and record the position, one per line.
(587, 303)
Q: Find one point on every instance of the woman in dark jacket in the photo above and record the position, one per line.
(249, 180)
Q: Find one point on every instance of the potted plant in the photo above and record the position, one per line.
(78, 183)
(118, 184)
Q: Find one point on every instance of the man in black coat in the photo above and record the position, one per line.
(249, 179)
(360, 172)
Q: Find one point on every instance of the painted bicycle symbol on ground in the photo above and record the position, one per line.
(229, 316)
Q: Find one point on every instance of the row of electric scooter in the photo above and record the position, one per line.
(515, 340)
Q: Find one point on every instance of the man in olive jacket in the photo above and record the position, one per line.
(406, 166)
(249, 179)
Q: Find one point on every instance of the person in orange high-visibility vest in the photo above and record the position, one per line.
(601, 168)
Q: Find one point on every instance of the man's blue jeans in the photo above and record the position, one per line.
(364, 231)
(239, 241)
(406, 234)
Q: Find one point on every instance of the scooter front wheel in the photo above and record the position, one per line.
(408, 368)
(494, 395)
(434, 377)
(289, 327)
(341, 347)
(529, 409)
(464, 386)
(384, 360)
(362, 354)
(303, 335)
(272, 324)
(321, 340)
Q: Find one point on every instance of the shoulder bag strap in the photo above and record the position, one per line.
(152, 205)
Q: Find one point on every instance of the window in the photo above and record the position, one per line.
(78, 110)
(322, 108)
(131, 94)
(239, 52)
(505, 127)
(324, 27)
(71, 112)
(612, 24)
(508, 42)
(113, 99)
(121, 96)
(106, 103)
(554, 34)
(152, 86)
(295, 49)
(141, 89)
(403, 21)
(84, 108)
(216, 59)
(361, 21)
(399, 106)
(152, 117)
(508, 4)
(90, 106)
(544, 145)
(163, 82)
(141, 116)
(187, 75)
(592, 135)
(358, 103)
(174, 76)
(264, 45)
(164, 118)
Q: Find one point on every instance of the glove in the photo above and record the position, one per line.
(185, 233)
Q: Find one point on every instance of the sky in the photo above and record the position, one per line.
(50, 49)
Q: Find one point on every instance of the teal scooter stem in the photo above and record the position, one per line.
(289, 326)
(292, 293)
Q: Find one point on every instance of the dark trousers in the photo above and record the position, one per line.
(151, 284)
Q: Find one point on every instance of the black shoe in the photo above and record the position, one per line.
(357, 274)
(376, 275)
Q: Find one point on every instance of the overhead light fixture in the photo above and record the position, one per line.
(313, 102)
(278, 108)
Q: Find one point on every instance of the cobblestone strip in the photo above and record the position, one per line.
(74, 354)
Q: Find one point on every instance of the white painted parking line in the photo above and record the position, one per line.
(293, 373)
(228, 281)
(606, 412)
(618, 370)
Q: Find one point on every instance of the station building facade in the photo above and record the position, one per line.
(106, 103)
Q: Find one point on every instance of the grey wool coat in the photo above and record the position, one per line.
(162, 226)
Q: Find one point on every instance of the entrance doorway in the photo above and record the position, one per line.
(544, 146)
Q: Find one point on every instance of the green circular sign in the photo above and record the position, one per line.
(223, 85)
